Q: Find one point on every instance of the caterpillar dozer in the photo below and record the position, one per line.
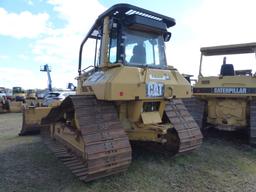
(19, 96)
(226, 101)
(8, 104)
(128, 94)
(31, 94)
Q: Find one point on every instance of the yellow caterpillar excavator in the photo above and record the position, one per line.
(129, 94)
(228, 101)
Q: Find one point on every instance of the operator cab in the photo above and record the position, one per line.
(144, 49)
(140, 42)
(138, 48)
(130, 36)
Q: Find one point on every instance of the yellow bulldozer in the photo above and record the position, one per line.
(128, 94)
(8, 103)
(31, 94)
(19, 94)
(226, 101)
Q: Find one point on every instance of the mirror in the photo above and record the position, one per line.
(167, 36)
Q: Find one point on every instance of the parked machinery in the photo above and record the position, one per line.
(10, 102)
(31, 94)
(19, 94)
(128, 94)
(4, 107)
(230, 97)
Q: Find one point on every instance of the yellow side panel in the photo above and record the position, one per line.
(131, 83)
(227, 112)
(151, 117)
(225, 82)
(134, 110)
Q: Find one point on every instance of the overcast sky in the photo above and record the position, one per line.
(36, 32)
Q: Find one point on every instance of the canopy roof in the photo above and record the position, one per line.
(121, 10)
(229, 49)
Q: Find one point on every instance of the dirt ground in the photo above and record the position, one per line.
(221, 164)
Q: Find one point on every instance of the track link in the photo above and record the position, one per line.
(253, 123)
(187, 129)
(196, 108)
(107, 148)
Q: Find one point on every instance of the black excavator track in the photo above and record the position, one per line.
(190, 136)
(253, 123)
(107, 149)
(196, 108)
(184, 137)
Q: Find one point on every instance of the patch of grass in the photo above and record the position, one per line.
(219, 165)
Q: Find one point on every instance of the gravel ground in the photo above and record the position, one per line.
(223, 163)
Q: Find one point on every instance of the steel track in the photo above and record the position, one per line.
(107, 147)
